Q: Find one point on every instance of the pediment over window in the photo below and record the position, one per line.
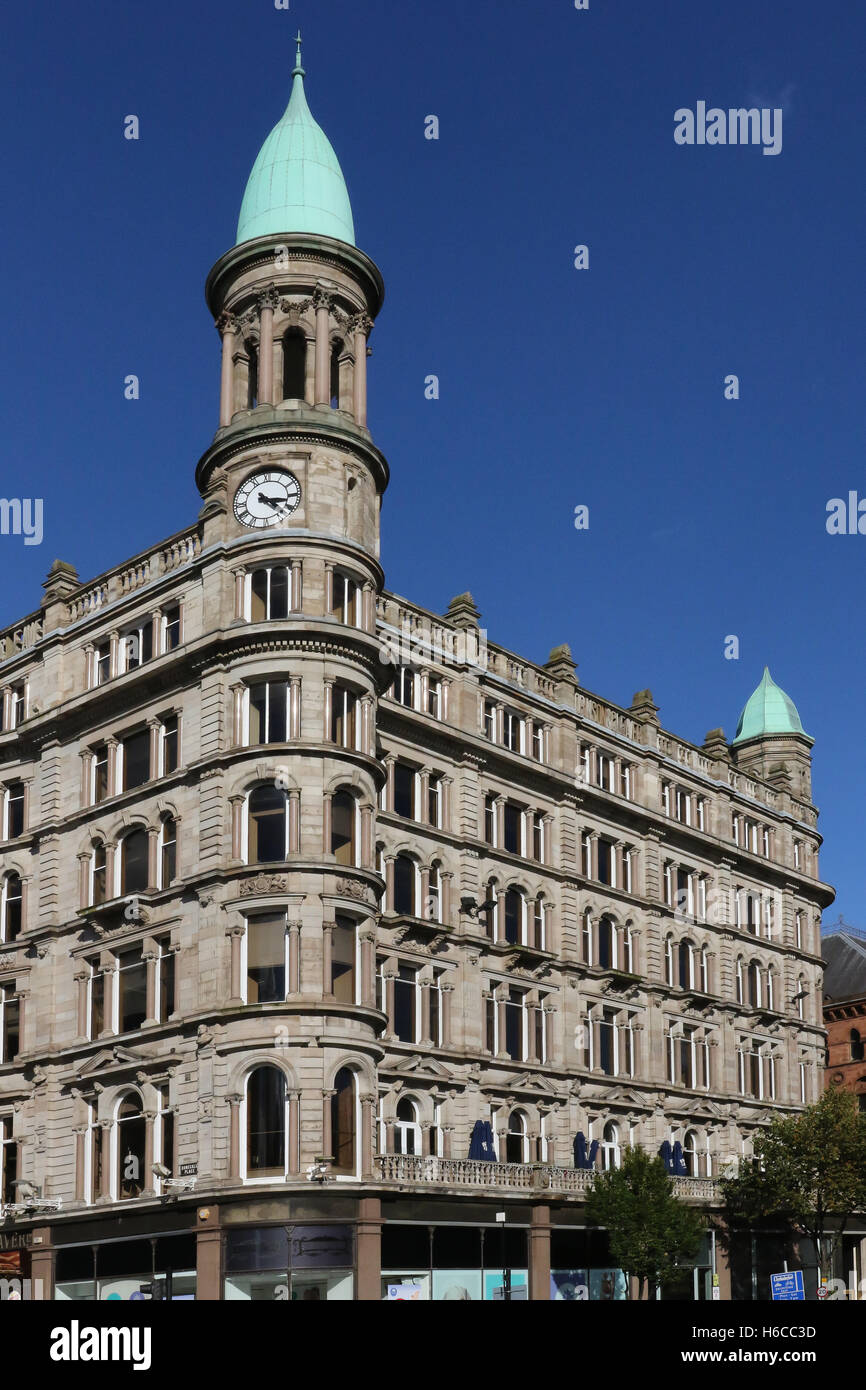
(536, 1081)
(421, 1066)
(123, 1060)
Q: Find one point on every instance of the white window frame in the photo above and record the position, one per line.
(134, 634)
(248, 591)
(244, 1133)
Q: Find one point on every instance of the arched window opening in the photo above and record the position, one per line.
(610, 1150)
(857, 1048)
(336, 352)
(514, 917)
(294, 365)
(253, 379)
(685, 958)
(133, 862)
(267, 825)
(516, 1140)
(691, 1156)
(97, 873)
(407, 1130)
(606, 944)
(131, 1131)
(167, 851)
(753, 984)
(343, 1122)
(404, 886)
(266, 1123)
(343, 814)
(12, 900)
(343, 960)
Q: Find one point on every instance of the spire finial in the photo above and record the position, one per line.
(298, 70)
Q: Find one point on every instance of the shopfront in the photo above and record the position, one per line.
(290, 1263)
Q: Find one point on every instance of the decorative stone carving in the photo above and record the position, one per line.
(264, 883)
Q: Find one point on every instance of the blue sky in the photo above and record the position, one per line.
(558, 387)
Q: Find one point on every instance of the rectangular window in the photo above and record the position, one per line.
(515, 1024)
(798, 930)
(625, 780)
(18, 700)
(607, 1042)
(266, 958)
(165, 979)
(102, 663)
(346, 599)
(606, 869)
(512, 730)
(797, 855)
(434, 696)
(343, 960)
(702, 813)
(436, 1009)
(131, 990)
(100, 773)
(171, 628)
(490, 1025)
(765, 842)
(8, 1162)
(10, 1017)
(269, 712)
(269, 594)
(626, 871)
(406, 1004)
(490, 720)
(513, 828)
(538, 829)
(14, 810)
(169, 745)
(666, 798)
(586, 856)
(135, 646)
(434, 800)
(135, 759)
(96, 1000)
(404, 791)
(490, 819)
(540, 1034)
(538, 743)
(343, 717)
(404, 687)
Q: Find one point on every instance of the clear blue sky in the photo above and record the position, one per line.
(558, 387)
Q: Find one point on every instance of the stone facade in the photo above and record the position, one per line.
(499, 897)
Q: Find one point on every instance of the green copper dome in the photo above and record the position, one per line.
(768, 711)
(296, 184)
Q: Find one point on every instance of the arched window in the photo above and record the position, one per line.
(802, 991)
(343, 948)
(516, 1139)
(404, 886)
(343, 1122)
(857, 1049)
(336, 351)
(434, 894)
(267, 825)
(771, 990)
(691, 1156)
(266, 1123)
(343, 817)
(407, 1131)
(253, 379)
(606, 944)
(539, 924)
(97, 873)
(669, 959)
(131, 1178)
(167, 851)
(514, 916)
(491, 916)
(685, 964)
(11, 908)
(294, 365)
(740, 996)
(610, 1151)
(586, 938)
(133, 862)
(753, 985)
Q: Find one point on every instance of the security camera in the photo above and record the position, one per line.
(159, 1170)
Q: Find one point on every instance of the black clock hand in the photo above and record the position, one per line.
(270, 501)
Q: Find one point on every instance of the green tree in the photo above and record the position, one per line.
(808, 1173)
(651, 1232)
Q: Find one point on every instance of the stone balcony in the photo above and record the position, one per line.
(519, 1178)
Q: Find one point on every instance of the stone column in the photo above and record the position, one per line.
(81, 977)
(294, 812)
(150, 956)
(227, 326)
(237, 819)
(446, 992)
(106, 965)
(112, 746)
(81, 1132)
(367, 820)
(147, 1180)
(240, 591)
(237, 694)
(326, 1125)
(267, 303)
(152, 858)
(327, 950)
(105, 1183)
(297, 592)
(294, 958)
(84, 879)
(322, 301)
(368, 1104)
(389, 883)
(86, 765)
(327, 821)
(389, 977)
(234, 1102)
(361, 325)
(294, 1165)
(500, 1014)
(236, 935)
(368, 969)
(328, 706)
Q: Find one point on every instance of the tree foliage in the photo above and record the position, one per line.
(651, 1232)
(808, 1173)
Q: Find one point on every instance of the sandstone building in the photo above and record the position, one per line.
(302, 884)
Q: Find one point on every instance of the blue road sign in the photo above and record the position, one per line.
(788, 1286)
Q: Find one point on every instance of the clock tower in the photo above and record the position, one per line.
(292, 486)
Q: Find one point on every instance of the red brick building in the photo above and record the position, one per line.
(844, 952)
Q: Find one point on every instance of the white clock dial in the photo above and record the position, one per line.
(267, 498)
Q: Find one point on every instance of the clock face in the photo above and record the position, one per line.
(267, 498)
